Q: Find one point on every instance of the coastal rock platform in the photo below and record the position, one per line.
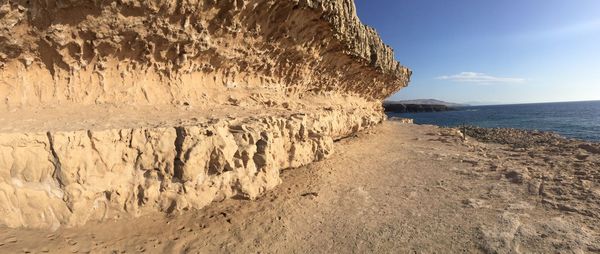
(393, 188)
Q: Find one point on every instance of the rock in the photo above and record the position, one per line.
(568, 237)
(140, 170)
(590, 148)
(183, 54)
(518, 176)
(494, 167)
(475, 203)
(586, 184)
(521, 206)
(512, 235)
(402, 120)
(501, 237)
(414, 108)
(518, 139)
(310, 194)
(534, 187)
(582, 156)
(452, 132)
(472, 162)
(275, 92)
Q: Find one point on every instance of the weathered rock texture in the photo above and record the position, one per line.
(310, 67)
(160, 52)
(72, 177)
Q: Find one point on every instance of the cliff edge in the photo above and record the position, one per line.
(119, 108)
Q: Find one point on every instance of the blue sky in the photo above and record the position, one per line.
(510, 51)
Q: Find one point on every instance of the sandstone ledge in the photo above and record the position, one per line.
(169, 52)
(67, 178)
(118, 108)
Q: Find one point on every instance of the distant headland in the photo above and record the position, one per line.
(419, 106)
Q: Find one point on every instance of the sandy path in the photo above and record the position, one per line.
(395, 189)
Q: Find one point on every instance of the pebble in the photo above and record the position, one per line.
(517, 176)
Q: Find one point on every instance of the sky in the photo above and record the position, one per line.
(492, 52)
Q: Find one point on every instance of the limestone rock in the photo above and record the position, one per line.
(159, 52)
(119, 108)
(518, 176)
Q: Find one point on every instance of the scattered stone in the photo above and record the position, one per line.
(586, 184)
(519, 139)
(521, 206)
(500, 238)
(467, 172)
(517, 176)
(310, 194)
(500, 191)
(401, 120)
(511, 235)
(470, 161)
(475, 203)
(590, 148)
(534, 187)
(454, 133)
(582, 156)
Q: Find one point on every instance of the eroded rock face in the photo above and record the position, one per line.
(162, 52)
(69, 178)
(311, 66)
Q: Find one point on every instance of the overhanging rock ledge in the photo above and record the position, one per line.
(121, 108)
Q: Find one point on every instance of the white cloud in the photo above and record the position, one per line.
(480, 78)
(566, 31)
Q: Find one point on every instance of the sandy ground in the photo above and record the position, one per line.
(398, 188)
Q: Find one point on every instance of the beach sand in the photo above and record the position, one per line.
(396, 188)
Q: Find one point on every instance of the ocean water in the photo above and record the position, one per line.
(580, 120)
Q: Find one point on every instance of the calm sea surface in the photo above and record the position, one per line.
(579, 120)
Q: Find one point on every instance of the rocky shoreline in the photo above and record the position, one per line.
(564, 172)
(526, 138)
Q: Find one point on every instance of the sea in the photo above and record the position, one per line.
(579, 120)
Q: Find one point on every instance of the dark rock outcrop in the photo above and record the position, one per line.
(414, 108)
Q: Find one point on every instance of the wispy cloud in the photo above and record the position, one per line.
(560, 32)
(480, 78)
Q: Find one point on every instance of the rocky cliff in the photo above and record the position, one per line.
(414, 108)
(120, 108)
